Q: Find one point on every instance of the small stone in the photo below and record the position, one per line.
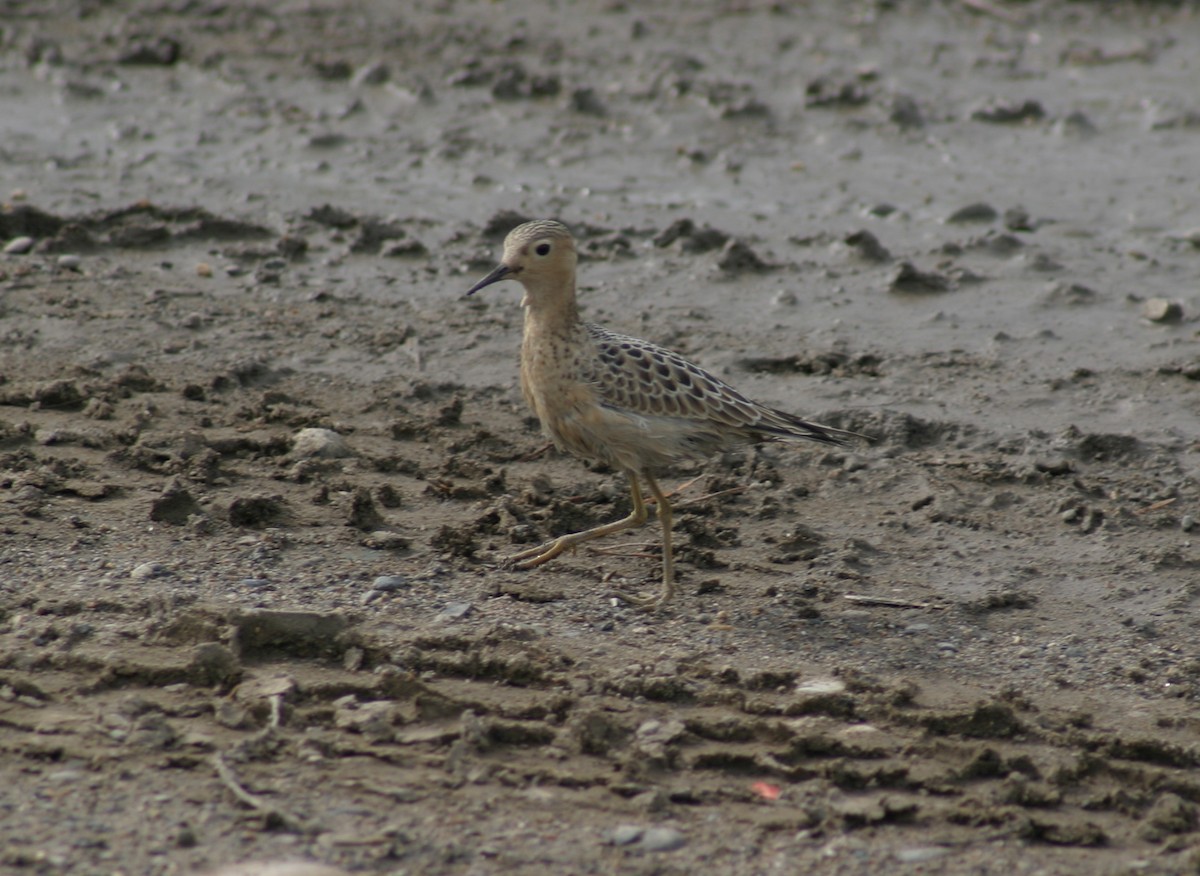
(920, 854)
(385, 540)
(1071, 294)
(586, 101)
(737, 257)
(819, 686)
(1017, 219)
(325, 443)
(978, 212)
(909, 279)
(626, 834)
(146, 571)
(389, 583)
(868, 246)
(407, 248)
(663, 839)
(175, 505)
(1162, 310)
(69, 262)
(455, 611)
(18, 245)
(1187, 523)
(1009, 112)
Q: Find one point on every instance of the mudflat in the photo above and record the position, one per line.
(260, 461)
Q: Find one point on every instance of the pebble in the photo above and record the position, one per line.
(908, 278)
(146, 571)
(978, 212)
(325, 443)
(69, 262)
(626, 834)
(1187, 523)
(736, 257)
(1162, 310)
(868, 246)
(388, 583)
(663, 839)
(1007, 112)
(455, 611)
(18, 245)
(255, 582)
(920, 854)
(819, 686)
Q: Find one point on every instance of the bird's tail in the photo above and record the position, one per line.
(780, 424)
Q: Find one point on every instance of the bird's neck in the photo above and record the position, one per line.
(550, 309)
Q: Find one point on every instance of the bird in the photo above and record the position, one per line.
(619, 400)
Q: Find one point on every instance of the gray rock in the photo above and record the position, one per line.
(146, 571)
(388, 583)
(18, 245)
(325, 443)
(920, 853)
(909, 279)
(1162, 310)
(455, 611)
(626, 834)
(978, 212)
(663, 839)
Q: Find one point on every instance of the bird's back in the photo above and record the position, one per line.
(680, 411)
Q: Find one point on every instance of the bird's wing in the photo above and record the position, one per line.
(644, 379)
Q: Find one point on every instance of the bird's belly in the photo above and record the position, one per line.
(624, 439)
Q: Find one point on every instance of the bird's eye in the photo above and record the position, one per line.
(543, 249)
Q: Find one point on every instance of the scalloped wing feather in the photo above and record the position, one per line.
(641, 378)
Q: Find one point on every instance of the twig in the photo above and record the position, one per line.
(1156, 506)
(707, 496)
(884, 601)
(271, 814)
(679, 489)
(534, 454)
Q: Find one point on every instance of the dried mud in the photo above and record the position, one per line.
(260, 461)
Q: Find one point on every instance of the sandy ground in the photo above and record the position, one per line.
(260, 461)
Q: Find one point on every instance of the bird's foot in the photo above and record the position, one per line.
(644, 603)
(542, 553)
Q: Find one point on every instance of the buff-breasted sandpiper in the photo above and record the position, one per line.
(620, 400)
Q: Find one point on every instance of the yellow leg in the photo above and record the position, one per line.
(665, 518)
(543, 553)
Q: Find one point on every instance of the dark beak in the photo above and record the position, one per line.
(501, 272)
